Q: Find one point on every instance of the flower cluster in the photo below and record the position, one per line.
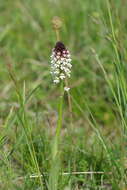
(60, 63)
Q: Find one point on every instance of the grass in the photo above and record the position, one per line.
(94, 138)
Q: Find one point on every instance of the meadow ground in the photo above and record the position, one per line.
(94, 138)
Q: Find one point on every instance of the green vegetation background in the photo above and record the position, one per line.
(95, 33)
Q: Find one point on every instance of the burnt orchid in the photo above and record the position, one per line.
(60, 63)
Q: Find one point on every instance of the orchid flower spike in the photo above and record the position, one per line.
(60, 63)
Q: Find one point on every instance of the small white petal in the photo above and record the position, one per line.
(62, 59)
(69, 60)
(66, 89)
(55, 59)
(62, 68)
(52, 61)
(58, 62)
(58, 53)
(68, 74)
(69, 65)
(68, 55)
(56, 72)
(56, 81)
(67, 70)
(52, 56)
(62, 76)
(64, 63)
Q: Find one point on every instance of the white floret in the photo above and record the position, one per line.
(69, 60)
(62, 76)
(56, 80)
(66, 89)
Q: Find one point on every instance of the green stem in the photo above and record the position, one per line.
(59, 124)
(54, 170)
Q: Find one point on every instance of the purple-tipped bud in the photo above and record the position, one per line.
(59, 47)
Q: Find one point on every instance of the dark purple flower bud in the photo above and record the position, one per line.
(59, 47)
